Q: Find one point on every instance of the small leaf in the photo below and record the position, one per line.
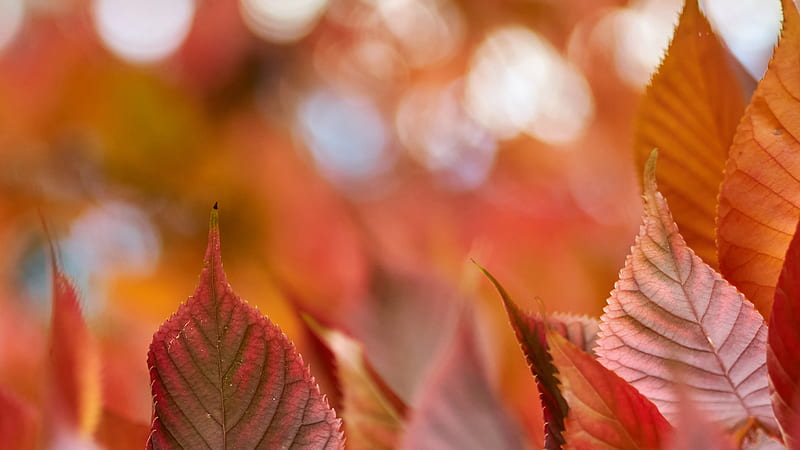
(604, 410)
(670, 312)
(689, 113)
(784, 347)
(18, 423)
(759, 201)
(458, 409)
(373, 415)
(531, 334)
(72, 390)
(224, 376)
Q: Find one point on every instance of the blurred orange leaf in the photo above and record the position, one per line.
(760, 194)
(689, 113)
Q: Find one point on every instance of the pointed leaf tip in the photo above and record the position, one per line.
(690, 111)
(670, 307)
(222, 375)
(759, 203)
(530, 332)
(216, 205)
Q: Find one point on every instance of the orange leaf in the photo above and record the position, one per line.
(689, 113)
(760, 194)
(72, 403)
(604, 410)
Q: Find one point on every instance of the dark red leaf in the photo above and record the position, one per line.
(224, 376)
(531, 333)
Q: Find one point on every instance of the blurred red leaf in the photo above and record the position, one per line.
(458, 408)
(224, 376)
(72, 389)
(671, 309)
(18, 423)
(784, 346)
(406, 309)
(689, 113)
(531, 333)
(373, 415)
(115, 432)
(605, 411)
(759, 201)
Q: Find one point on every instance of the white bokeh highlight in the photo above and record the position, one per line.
(143, 31)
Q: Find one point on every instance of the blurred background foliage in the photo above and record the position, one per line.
(359, 149)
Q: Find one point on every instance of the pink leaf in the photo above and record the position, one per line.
(671, 312)
(224, 376)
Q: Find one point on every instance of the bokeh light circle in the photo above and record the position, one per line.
(143, 31)
(282, 20)
(518, 83)
(12, 13)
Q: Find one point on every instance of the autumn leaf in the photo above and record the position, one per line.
(531, 332)
(458, 408)
(671, 313)
(72, 389)
(784, 346)
(760, 194)
(689, 113)
(373, 415)
(605, 411)
(224, 376)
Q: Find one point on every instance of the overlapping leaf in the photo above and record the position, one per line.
(224, 376)
(689, 113)
(373, 415)
(72, 402)
(531, 333)
(605, 411)
(670, 312)
(760, 195)
(458, 409)
(784, 348)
